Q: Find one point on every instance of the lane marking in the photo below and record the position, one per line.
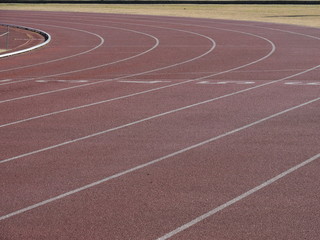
(168, 86)
(98, 66)
(303, 83)
(146, 119)
(81, 53)
(141, 166)
(227, 82)
(144, 82)
(235, 82)
(63, 81)
(239, 198)
(316, 155)
(3, 34)
(249, 34)
(64, 58)
(137, 74)
(6, 80)
(21, 39)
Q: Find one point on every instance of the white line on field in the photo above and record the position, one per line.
(147, 119)
(238, 198)
(273, 48)
(93, 184)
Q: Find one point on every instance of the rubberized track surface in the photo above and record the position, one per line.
(138, 127)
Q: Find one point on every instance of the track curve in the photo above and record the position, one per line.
(140, 127)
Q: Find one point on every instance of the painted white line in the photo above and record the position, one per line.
(138, 74)
(59, 59)
(227, 82)
(6, 80)
(43, 33)
(63, 81)
(159, 88)
(29, 39)
(124, 77)
(146, 119)
(156, 89)
(81, 53)
(3, 34)
(239, 198)
(303, 83)
(138, 167)
(144, 82)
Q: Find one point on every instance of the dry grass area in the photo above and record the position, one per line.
(306, 15)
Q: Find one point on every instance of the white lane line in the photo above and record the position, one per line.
(5, 80)
(146, 119)
(156, 89)
(296, 83)
(59, 59)
(159, 88)
(226, 82)
(238, 198)
(143, 81)
(148, 72)
(86, 69)
(3, 34)
(123, 77)
(138, 167)
(62, 81)
(138, 74)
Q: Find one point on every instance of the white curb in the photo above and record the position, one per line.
(44, 34)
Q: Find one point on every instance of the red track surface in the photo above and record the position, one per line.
(138, 127)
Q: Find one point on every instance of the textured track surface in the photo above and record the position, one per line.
(137, 127)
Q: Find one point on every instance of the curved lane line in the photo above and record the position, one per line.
(94, 67)
(150, 163)
(150, 90)
(43, 33)
(147, 91)
(60, 59)
(138, 167)
(113, 79)
(149, 118)
(239, 198)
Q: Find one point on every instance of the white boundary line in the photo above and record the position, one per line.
(238, 198)
(143, 92)
(138, 167)
(145, 119)
(43, 33)
(63, 58)
(171, 155)
(89, 68)
(3, 34)
(155, 89)
(151, 70)
(113, 79)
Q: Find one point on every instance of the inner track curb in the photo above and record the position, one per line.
(46, 36)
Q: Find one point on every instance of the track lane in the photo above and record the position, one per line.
(11, 63)
(133, 198)
(170, 175)
(202, 117)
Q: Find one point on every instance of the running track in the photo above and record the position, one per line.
(140, 127)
